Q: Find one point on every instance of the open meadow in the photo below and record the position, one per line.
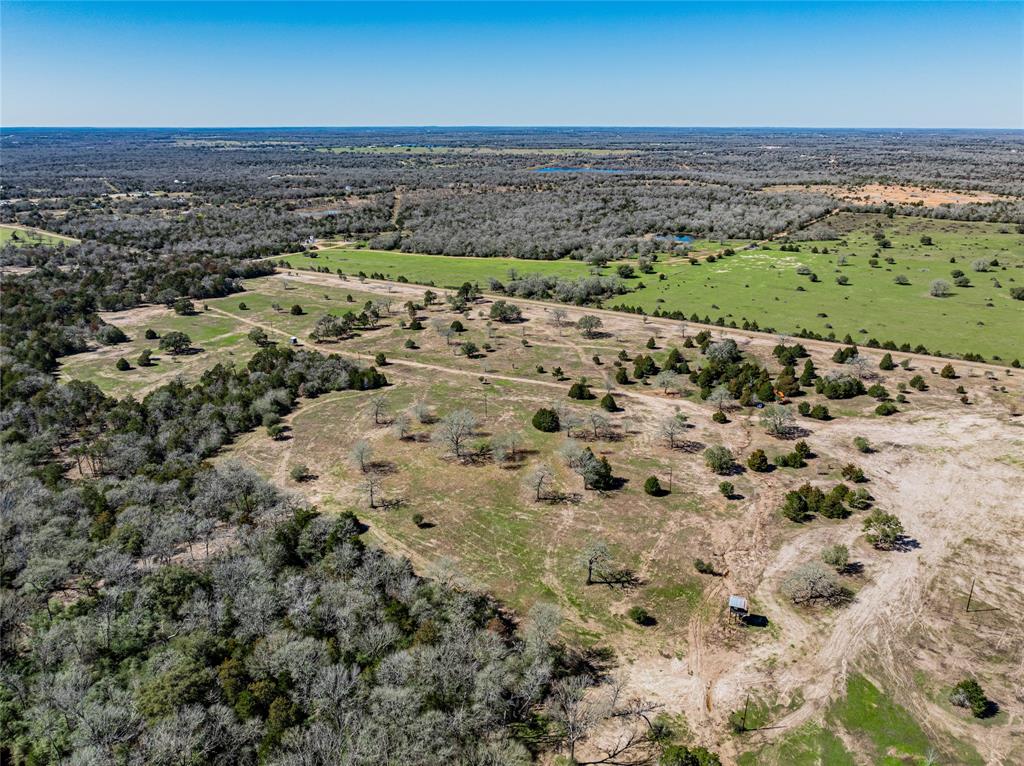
(21, 235)
(776, 288)
(440, 270)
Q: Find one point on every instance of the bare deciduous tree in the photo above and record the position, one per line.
(595, 556)
(670, 381)
(671, 428)
(558, 317)
(812, 582)
(455, 430)
(371, 487)
(505, 447)
(422, 412)
(362, 454)
(861, 367)
(538, 480)
(568, 419)
(400, 425)
(776, 419)
(444, 329)
(722, 397)
(378, 406)
(579, 707)
(599, 424)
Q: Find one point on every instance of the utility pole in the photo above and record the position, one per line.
(970, 595)
(670, 479)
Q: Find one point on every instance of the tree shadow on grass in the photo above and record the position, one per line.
(614, 483)
(559, 498)
(905, 544)
(792, 432)
(190, 351)
(991, 709)
(690, 447)
(624, 578)
(391, 503)
(596, 662)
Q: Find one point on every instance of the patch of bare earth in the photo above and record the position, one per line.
(880, 194)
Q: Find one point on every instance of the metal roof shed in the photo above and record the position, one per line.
(737, 604)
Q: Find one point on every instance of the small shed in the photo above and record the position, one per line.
(294, 341)
(738, 606)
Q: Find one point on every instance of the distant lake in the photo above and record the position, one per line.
(580, 170)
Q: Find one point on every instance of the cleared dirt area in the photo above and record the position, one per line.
(880, 194)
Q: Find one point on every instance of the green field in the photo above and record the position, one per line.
(716, 245)
(17, 234)
(442, 270)
(763, 285)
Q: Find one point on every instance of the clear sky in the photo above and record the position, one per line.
(874, 64)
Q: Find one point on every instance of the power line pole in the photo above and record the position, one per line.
(970, 595)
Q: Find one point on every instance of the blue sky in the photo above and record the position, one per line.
(874, 64)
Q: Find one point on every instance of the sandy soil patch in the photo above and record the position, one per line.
(880, 194)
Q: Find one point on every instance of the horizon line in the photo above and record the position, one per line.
(522, 126)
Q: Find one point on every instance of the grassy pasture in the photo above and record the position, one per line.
(442, 270)
(481, 519)
(218, 335)
(715, 245)
(762, 285)
(27, 235)
(810, 745)
(215, 338)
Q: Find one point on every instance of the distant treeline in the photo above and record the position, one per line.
(259, 193)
